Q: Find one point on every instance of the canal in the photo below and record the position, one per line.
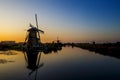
(66, 64)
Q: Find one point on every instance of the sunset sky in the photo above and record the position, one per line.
(70, 20)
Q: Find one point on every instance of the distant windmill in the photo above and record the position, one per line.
(57, 41)
(33, 40)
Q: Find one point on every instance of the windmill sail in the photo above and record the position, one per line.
(36, 20)
(37, 27)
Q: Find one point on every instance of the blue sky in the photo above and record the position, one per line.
(71, 20)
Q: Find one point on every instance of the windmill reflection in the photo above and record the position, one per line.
(33, 61)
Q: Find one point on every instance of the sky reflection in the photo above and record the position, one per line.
(69, 63)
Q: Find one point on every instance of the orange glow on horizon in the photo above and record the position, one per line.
(21, 38)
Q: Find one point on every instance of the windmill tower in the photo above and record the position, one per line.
(33, 38)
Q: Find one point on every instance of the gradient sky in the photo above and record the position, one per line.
(70, 20)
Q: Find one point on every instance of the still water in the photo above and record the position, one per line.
(67, 64)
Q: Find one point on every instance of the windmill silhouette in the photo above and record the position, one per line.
(32, 39)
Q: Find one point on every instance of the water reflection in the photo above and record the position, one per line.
(32, 59)
(3, 61)
(9, 52)
(33, 63)
(68, 64)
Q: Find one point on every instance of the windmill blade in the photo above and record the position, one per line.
(31, 72)
(41, 31)
(31, 26)
(37, 23)
(37, 26)
(26, 37)
(36, 20)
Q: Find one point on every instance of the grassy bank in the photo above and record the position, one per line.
(110, 49)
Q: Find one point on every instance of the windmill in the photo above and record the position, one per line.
(32, 39)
